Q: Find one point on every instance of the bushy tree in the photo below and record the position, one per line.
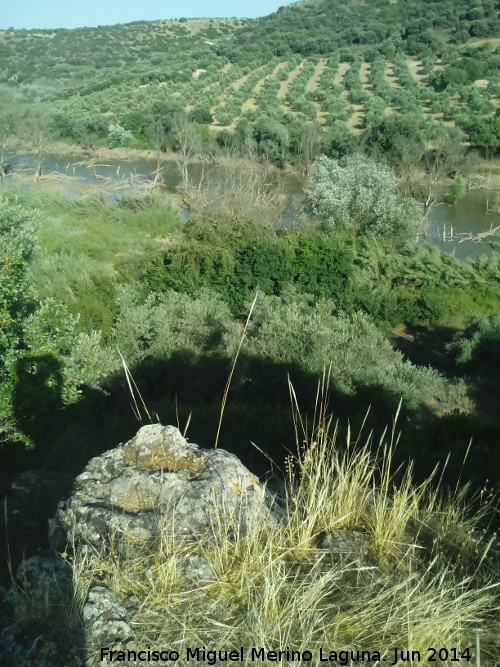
(118, 136)
(88, 129)
(338, 141)
(298, 329)
(359, 195)
(485, 132)
(18, 232)
(44, 360)
(398, 138)
(234, 258)
(52, 331)
(272, 137)
(170, 322)
(201, 114)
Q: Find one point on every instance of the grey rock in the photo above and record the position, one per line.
(158, 482)
(44, 578)
(197, 569)
(45, 570)
(106, 617)
(24, 482)
(22, 647)
(43, 583)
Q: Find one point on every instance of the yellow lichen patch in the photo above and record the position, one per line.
(160, 459)
(134, 500)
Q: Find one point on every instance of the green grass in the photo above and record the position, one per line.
(464, 303)
(86, 244)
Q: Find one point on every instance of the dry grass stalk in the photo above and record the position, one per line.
(231, 372)
(133, 388)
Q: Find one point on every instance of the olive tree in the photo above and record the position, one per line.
(118, 136)
(358, 195)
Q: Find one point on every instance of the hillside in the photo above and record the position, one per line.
(342, 66)
(65, 58)
(318, 27)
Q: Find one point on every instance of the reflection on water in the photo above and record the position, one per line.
(465, 216)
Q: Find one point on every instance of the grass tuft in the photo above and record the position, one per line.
(423, 579)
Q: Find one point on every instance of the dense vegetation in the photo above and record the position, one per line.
(399, 98)
(80, 278)
(384, 110)
(418, 28)
(173, 295)
(334, 73)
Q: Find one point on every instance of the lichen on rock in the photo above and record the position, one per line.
(155, 482)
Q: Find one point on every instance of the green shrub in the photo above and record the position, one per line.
(51, 332)
(236, 258)
(18, 237)
(478, 343)
(171, 322)
(297, 329)
(321, 264)
(419, 283)
(51, 329)
(291, 330)
(359, 195)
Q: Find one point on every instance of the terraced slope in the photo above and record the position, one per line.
(320, 62)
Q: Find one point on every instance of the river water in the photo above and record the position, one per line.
(447, 223)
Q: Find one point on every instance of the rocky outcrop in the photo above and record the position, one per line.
(157, 482)
(121, 508)
(149, 532)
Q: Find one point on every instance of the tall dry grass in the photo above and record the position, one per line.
(421, 579)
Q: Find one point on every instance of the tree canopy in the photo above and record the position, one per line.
(360, 195)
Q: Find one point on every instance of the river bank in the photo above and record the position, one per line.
(227, 184)
(484, 174)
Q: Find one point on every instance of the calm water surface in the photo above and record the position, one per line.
(467, 215)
